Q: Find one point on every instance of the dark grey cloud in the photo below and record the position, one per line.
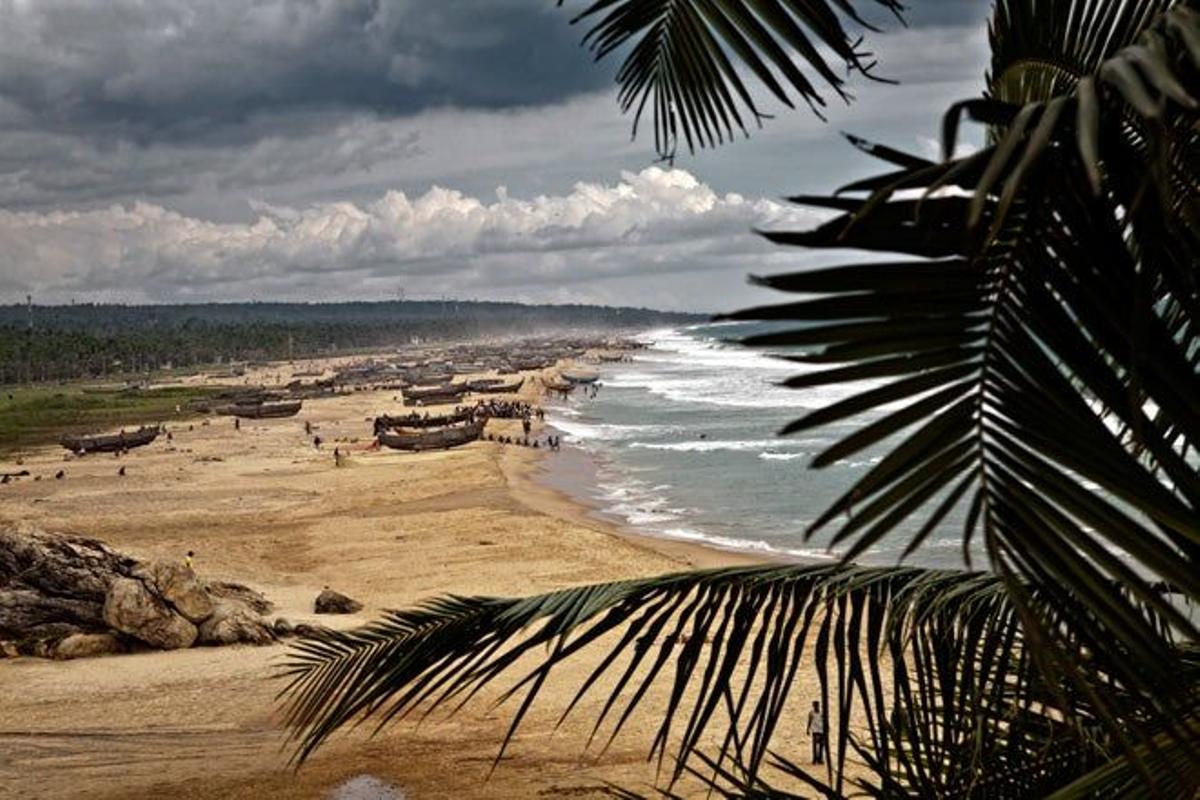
(208, 68)
(205, 68)
(175, 149)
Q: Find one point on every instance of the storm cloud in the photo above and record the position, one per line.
(186, 149)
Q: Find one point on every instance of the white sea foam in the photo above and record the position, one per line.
(583, 431)
(709, 445)
(747, 545)
(685, 369)
(768, 456)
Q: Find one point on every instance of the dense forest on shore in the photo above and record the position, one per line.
(45, 343)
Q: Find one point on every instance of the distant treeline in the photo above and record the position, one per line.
(90, 341)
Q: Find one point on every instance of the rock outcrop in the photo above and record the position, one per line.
(88, 645)
(132, 608)
(331, 602)
(230, 624)
(64, 596)
(54, 585)
(179, 587)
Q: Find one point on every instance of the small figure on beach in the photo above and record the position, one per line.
(317, 442)
(121, 472)
(187, 560)
(58, 476)
(816, 729)
(337, 456)
(237, 424)
(307, 428)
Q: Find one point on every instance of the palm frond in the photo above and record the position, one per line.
(943, 650)
(682, 58)
(1042, 345)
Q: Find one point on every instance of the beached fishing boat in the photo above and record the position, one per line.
(579, 376)
(493, 386)
(434, 395)
(262, 410)
(111, 443)
(559, 386)
(426, 421)
(436, 439)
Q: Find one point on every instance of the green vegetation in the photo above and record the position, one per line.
(33, 416)
(84, 341)
(1039, 341)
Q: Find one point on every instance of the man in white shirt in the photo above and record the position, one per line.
(816, 729)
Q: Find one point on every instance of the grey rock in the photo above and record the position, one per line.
(179, 586)
(234, 624)
(331, 602)
(87, 645)
(255, 601)
(132, 609)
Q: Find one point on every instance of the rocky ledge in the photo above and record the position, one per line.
(64, 596)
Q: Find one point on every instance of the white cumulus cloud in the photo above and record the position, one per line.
(594, 243)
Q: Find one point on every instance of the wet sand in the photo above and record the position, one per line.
(261, 506)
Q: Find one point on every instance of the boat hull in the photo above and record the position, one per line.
(442, 439)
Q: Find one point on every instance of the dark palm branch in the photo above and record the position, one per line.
(682, 58)
(1044, 336)
(927, 674)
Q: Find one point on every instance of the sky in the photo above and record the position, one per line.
(207, 150)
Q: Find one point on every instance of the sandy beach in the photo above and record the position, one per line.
(263, 507)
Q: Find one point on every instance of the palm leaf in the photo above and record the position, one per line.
(681, 59)
(1045, 336)
(725, 646)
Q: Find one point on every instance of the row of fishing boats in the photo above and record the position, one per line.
(411, 432)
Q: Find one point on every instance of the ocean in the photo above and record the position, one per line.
(682, 444)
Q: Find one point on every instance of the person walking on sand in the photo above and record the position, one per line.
(337, 456)
(187, 560)
(816, 729)
(237, 424)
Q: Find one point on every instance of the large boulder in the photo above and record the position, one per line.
(87, 645)
(331, 602)
(235, 592)
(232, 623)
(52, 585)
(27, 613)
(133, 609)
(179, 586)
(64, 596)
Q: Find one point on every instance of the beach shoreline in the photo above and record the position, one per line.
(530, 480)
(261, 506)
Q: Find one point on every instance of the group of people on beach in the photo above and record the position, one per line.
(552, 442)
(506, 409)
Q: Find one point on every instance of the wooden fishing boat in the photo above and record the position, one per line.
(428, 421)
(497, 387)
(262, 410)
(436, 439)
(579, 376)
(435, 395)
(559, 386)
(111, 443)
